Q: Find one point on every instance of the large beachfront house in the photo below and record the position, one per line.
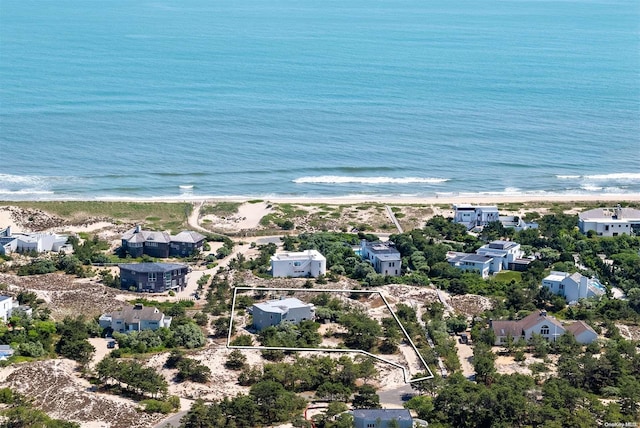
(542, 324)
(135, 318)
(274, 312)
(39, 242)
(490, 258)
(138, 242)
(573, 287)
(309, 263)
(473, 216)
(383, 256)
(153, 277)
(610, 221)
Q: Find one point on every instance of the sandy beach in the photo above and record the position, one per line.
(430, 200)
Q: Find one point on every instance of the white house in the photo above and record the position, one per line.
(309, 263)
(610, 221)
(582, 331)
(6, 305)
(38, 242)
(542, 324)
(490, 258)
(9, 306)
(517, 223)
(274, 312)
(475, 215)
(135, 318)
(383, 256)
(573, 287)
(471, 262)
(502, 252)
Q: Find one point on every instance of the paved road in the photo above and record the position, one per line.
(173, 421)
(396, 397)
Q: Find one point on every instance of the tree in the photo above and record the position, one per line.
(366, 398)
(189, 335)
(363, 331)
(236, 360)
(484, 363)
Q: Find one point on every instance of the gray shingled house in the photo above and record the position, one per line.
(138, 242)
(135, 318)
(153, 277)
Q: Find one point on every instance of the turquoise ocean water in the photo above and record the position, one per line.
(196, 98)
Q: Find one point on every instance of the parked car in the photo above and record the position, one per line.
(111, 344)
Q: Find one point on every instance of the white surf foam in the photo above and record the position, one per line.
(622, 176)
(337, 179)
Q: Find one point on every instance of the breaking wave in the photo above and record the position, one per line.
(337, 179)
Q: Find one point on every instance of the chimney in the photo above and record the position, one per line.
(138, 307)
(138, 229)
(490, 323)
(543, 313)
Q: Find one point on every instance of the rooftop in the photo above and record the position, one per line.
(151, 267)
(188, 236)
(133, 314)
(281, 306)
(301, 255)
(383, 414)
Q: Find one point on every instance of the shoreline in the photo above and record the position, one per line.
(357, 199)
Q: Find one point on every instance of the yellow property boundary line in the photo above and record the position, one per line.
(405, 370)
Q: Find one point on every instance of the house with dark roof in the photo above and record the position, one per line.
(382, 418)
(541, 324)
(138, 242)
(135, 318)
(153, 277)
(275, 312)
(383, 256)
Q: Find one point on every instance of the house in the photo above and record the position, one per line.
(474, 215)
(10, 306)
(478, 216)
(6, 351)
(573, 286)
(138, 242)
(38, 242)
(491, 258)
(517, 223)
(135, 318)
(185, 243)
(610, 221)
(6, 306)
(153, 277)
(309, 263)
(582, 331)
(382, 418)
(470, 262)
(503, 253)
(542, 324)
(384, 257)
(274, 312)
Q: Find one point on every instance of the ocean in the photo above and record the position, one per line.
(135, 99)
